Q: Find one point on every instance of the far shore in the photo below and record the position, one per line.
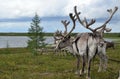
(106, 35)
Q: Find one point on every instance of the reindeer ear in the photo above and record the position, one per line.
(108, 29)
(69, 36)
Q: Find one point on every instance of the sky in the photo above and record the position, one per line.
(16, 15)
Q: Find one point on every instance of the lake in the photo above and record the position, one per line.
(19, 41)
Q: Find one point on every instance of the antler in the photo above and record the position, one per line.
(73, 18)
(58, 34)
(112, 12)
(65, 23)
(84, 22)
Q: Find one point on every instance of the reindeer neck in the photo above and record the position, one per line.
(70, 49)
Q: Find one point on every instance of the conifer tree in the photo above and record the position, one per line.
(36, 34)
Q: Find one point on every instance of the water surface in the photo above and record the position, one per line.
(18, 41)
(21, 41)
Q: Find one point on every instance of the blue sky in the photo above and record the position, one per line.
(16, 15)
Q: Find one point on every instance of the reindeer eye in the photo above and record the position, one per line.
(64, 40)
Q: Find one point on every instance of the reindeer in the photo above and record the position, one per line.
(87, 45)
(110, 44)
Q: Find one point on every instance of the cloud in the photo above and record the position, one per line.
(20, 8)
(17, 10)
(92, 8)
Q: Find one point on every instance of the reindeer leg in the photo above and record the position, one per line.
(83, 65)
(105, 63)
(88, 70)
(100, 65)
(78, 64)
(101, 62)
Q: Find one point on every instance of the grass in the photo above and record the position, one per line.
(107, 35)
(19, 63)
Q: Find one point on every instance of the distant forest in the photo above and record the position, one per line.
(51, 34)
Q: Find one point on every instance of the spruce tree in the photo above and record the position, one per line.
(36, 35)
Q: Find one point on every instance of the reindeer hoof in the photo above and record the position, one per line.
(77, 73)
(104, 70)
(99, 70)
(88, 78)
(81, 73)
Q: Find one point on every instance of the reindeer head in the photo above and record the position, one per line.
(66, 39)
(57, 36)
